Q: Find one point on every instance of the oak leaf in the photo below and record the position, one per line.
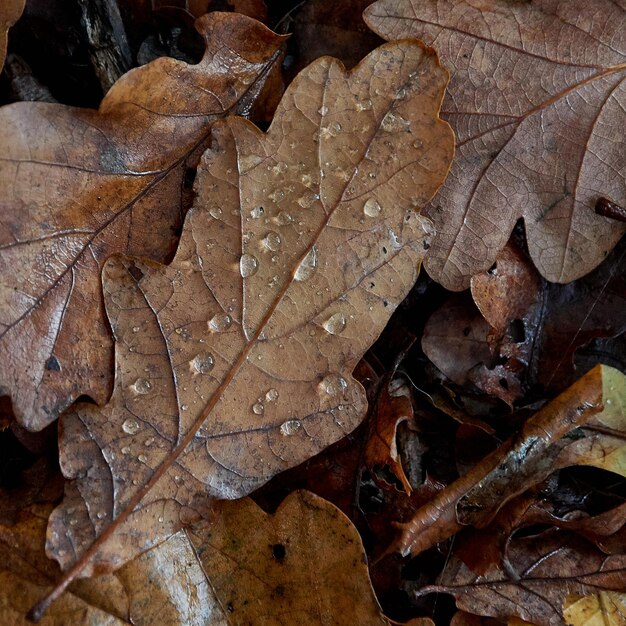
(10, 12)
(546, 569)
(537, 100)
(305, 564)
(78, 185)
(234, 362)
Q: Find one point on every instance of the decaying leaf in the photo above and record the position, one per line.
(394, 407)
(606, 608)
(548, 441)
(235, 362)
(78, 185)
(10, 12)
(547, 568)
(303, 565)
(165, 586)
(537, 100)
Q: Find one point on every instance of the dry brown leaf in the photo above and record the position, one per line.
(304, 565)
(235, 362)
(10, 12)
(606, 608)
(545, 570)
(544, 445)
(78, 185)
(537, 100)
(165, 586)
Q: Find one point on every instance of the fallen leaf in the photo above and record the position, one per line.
(537, 102)
(152, 589)
(606, 608)
(547, 568)
(393, 408)
(305, 564)
(234, 362)
(548, 441)
(78, 185)
(10, 12)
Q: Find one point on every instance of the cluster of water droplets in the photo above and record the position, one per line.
(271, 395)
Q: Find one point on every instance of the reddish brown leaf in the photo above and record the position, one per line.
(537, 100)
(10, 12)
(78, 185)
(235, 362)
(521, 462)
(393, 408)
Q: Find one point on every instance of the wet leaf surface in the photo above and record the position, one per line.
(235, 361)
(537, 103)
(78, 185)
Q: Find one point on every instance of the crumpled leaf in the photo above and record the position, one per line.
(537, 100)
(305, 564)
(393, 408)
(10, 12)
(547, 568)
(235, 362)
(606, 608)
(548, 441)
(78, 185)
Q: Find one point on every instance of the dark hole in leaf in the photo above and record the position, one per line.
(504, 383)
(466, 331)
(279, 551)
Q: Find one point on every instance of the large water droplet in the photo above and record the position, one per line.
(335, 324)
(141, 386)
(271, 395)
(393, 123)
(201, 363)
(248, 265)
(364, 105)
(280, 167)
(290, 427)
(307, 265)
(130, 426)
(277, 195)
(272, 241)
(258, 408)
(371, 208)
(323, 110)
(333, 385)
(283, 218)
(142, 458)
(307, 199)
(257, 212)
(215, 212)
(220, 322)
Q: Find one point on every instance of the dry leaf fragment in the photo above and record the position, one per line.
(537, 100)
(606, 608)
(235, 362)
(78, 185)
(548, 568)
(10, 12)
(304, 565)
(394, 407)
(525, 460)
